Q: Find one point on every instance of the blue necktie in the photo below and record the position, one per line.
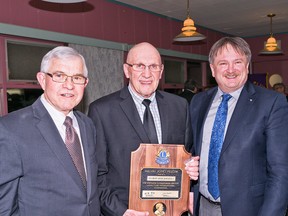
(216, 142)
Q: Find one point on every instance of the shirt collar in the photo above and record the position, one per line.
(57, 116)
(235, 94)
(139, 98)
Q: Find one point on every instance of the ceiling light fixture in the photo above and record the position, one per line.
(189, 30)
(271, 47)
(64, 1)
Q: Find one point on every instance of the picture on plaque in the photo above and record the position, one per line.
(159, 209)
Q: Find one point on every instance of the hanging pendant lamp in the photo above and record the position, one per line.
(189, 30)
(271, 47)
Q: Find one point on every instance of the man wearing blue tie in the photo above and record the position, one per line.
(240, 132)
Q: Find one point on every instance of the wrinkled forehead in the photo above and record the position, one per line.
(144, 54)
(227, 48)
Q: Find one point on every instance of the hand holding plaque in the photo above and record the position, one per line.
(192, 167)
(159, 183)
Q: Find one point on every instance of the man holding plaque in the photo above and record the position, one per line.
(120, 121)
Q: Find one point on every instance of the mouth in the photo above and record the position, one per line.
(146, 82)
(231, 76)
(67, 95)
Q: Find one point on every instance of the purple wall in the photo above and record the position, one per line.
(116, 22)
(107, 21)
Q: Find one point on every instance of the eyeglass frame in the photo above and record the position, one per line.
(63, 74)
(146, 66)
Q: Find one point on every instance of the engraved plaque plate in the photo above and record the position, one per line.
(160, 183)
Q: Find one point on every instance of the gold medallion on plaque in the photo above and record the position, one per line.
(159, 209)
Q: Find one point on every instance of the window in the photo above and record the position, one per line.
(20, 61)
(174, 75)
(20, 98)
(174, 71)
(24, 59)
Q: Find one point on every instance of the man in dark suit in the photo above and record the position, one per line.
(118, 118)
(251, 172)
(38, 173)
(190, 89)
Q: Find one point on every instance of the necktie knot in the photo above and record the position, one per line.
(226, 97)
(68, 121)
(70, 134)
(146, 102)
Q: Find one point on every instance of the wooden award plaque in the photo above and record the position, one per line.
(159, 183)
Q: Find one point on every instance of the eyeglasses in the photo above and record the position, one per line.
(142, 67)
(61, 78)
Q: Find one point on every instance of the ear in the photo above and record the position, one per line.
(41, 77)
(212, 69)
(161, 72)
(87, 80)
(126, 70)
(247, 67)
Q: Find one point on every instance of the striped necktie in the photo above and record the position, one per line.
(74, 148)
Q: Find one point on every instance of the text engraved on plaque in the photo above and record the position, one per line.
(160, 183)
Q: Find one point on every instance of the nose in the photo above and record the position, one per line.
(69, 83)
(146, 72)
(230, 67)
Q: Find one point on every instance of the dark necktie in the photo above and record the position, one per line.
(217, 138)
(74, 148)
(148, 122)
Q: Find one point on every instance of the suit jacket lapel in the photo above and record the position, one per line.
(205, 106)
(85, 144)
(130, 110)
(164, 116)
(244, 105)
(50, 133)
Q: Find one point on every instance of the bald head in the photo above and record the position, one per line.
(143, 50)
(145, 56)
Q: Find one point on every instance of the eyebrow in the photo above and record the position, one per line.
(78, 74)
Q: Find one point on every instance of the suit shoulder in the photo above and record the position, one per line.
(266, 94)
(271, 96)
(107, 99)
(260, 89)
(200, 94)
(84, 117)
(203, 94)
(81, 115)
(18, 117)
(171, 97)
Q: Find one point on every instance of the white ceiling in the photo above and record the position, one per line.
(244, 18)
